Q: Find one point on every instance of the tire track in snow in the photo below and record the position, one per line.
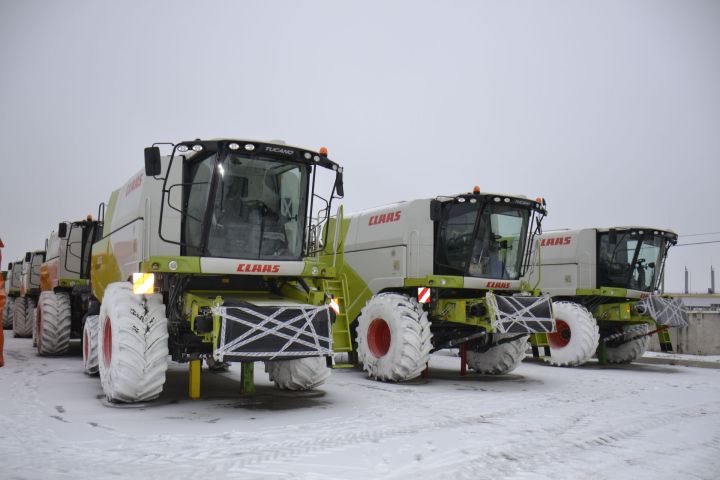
(529, 455)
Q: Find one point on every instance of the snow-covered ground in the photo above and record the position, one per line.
(643, 421)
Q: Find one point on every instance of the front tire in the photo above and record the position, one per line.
(90, 345)
(7, 314)
(21, 327)
(500, 359)
(53, 323)
(630, 351)
(298, 374)
(394, 338)
(576, 338)
(132, 345)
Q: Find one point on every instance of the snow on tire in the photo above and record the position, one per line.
(7, 314)
(53, 323)
(501, 359)
(90, 344)
(298, 374)
(632, 350)
(576, 338)
(21, 327)
(394, 338)
(132, 345)
(156, 346)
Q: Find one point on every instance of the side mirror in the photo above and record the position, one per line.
(153, 166)
(28, 256)
(435, 210)
(339, 184)
(9, 266)
(62, 230)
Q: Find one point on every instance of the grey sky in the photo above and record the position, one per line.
(610, 110)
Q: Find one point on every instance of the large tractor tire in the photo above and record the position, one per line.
(21, 327)
(7, 314)
(31, 319)
(632, 350)
(299, 374)
(132, 345)
(576, 338)
(500, 359)
(394, 338)
(90, 345)
(53, 323)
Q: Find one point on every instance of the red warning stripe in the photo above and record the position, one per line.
(423, 294)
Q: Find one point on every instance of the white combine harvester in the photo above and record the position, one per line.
(429, 274)
(605, 284)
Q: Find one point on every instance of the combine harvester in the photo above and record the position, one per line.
(604, 283)
(212, 252)
(431, 274)
(65, 297)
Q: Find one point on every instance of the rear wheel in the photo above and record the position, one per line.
(21, 327)
(394, 338)
(90, 344)
(53, 323)
(132, 345)
(630, 351)
(500, 359)
(576, 338)
(298, 374)
(7, 314)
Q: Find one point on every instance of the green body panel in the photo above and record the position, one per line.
(603, 292)
(160, 264)
(104, 268)
(72, 282)
(620, 312)
(436, 281)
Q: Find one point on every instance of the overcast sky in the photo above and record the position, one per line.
(609, 109)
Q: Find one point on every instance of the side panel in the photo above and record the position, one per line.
(567, 262)
(379, 268)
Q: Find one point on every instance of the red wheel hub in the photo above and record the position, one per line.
(561, 337)
(107, 343)
(378, 337)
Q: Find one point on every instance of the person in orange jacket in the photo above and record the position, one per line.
(3, 299)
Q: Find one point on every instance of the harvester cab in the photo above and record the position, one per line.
(440, 273)
(605, 282)
(223, 235)
(65, 299)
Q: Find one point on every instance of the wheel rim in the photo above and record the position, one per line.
(379, 337)
(107, 343)
(561, 337)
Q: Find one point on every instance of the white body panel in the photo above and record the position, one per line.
(388, 243)
(568, 260)
(135, 219)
